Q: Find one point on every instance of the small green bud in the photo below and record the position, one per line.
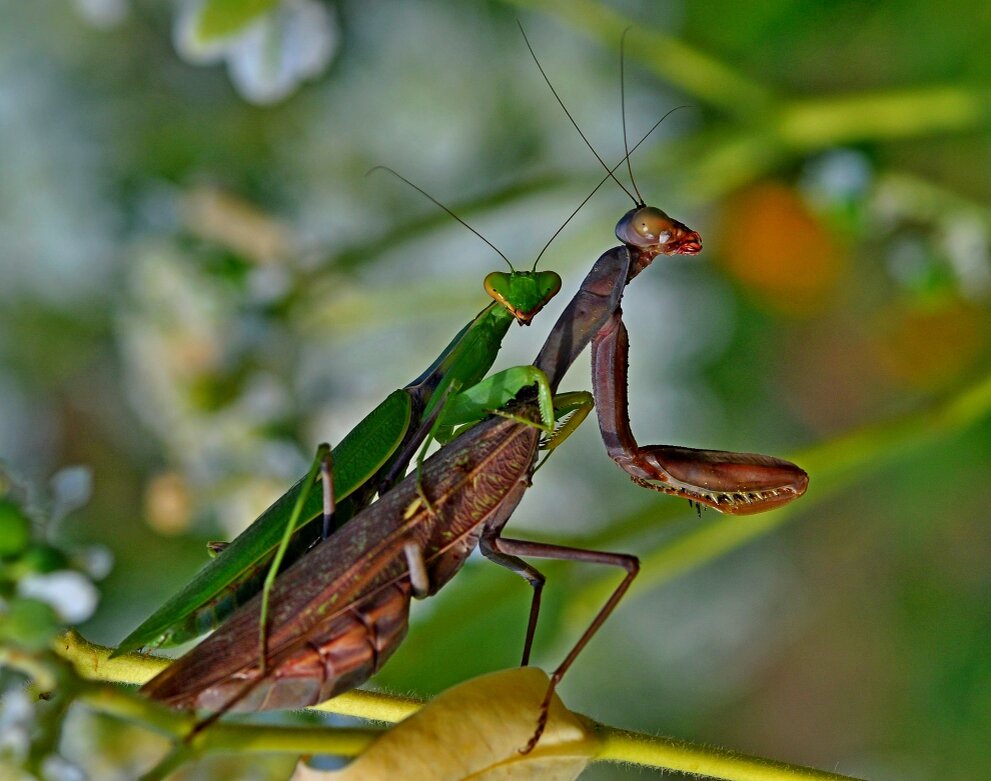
(28, 623)
(15, 529)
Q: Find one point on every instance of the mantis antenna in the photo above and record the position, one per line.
(573, 122)
(606, 178)
(610, 172)
(622, 111)
(442, 206)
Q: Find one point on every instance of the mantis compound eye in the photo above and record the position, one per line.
(647, 225)
(648, 229)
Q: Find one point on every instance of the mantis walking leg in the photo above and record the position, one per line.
(515, 548)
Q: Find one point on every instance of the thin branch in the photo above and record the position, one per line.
(665, 753)
(616, 745)
(92, 661)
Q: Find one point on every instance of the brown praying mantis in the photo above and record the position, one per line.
(701, 476)
(340, 612)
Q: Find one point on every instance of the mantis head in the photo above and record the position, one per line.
(523, 293)
(650, 232)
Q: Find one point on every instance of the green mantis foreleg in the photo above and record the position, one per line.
(321, 463)
(491, 395)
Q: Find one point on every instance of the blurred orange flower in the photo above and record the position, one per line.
(779, 250)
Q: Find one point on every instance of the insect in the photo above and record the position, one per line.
(378, 450)
(713, 478)
(369, 458)
(341, 611)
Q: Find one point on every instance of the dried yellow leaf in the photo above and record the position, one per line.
(475, 730)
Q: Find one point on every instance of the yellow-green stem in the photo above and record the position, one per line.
(650, 751)
(615, 745)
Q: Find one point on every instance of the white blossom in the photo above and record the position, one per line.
(70, 593)
(103, 14)
(268, 58)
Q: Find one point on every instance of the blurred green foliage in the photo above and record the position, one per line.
(197, 289)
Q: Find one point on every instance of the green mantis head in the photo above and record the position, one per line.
(523, 293)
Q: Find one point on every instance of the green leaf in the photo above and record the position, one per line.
(221, 18)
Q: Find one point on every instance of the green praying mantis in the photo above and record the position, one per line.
(370, 458)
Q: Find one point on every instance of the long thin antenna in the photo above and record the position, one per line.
(605, 179)
(573, 122)
(622, 104)
(442, 206)
(588, 197)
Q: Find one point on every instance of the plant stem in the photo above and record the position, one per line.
(622, 746)
(616, 745)
(92, 662)
(883, 115)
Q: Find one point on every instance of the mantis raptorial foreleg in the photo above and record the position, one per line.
(735, 483)
(492, 394)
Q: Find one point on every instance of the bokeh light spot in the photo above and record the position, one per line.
(779, 250)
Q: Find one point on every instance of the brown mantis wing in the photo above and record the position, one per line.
(321, 605)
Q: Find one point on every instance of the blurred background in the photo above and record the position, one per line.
(199, 284)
